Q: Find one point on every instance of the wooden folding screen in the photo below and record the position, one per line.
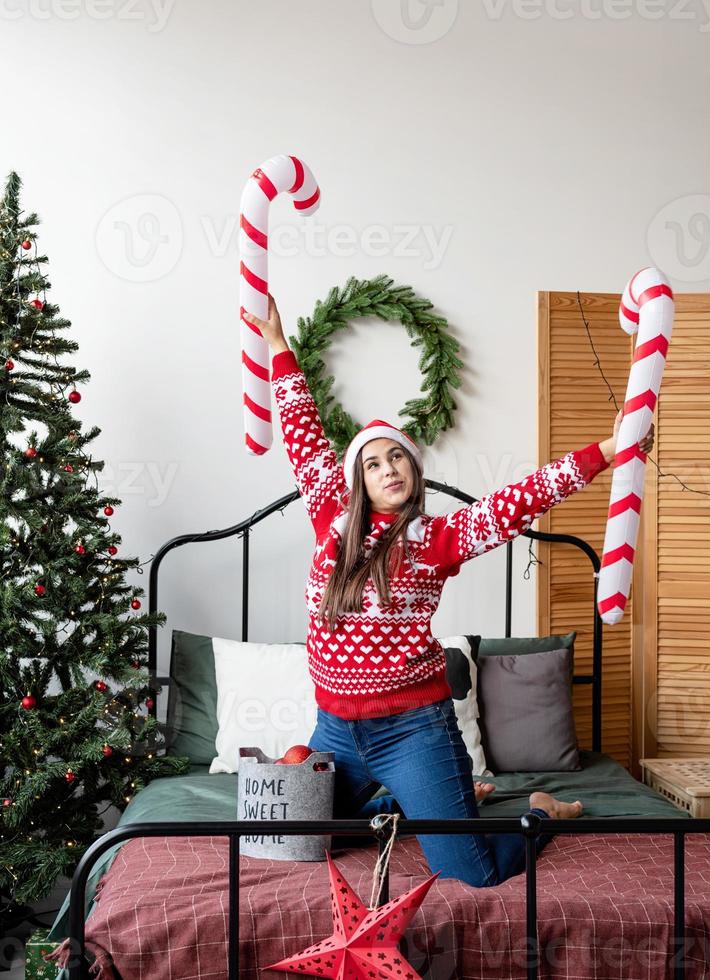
(673, 711)
(574, 410)
(656, 690)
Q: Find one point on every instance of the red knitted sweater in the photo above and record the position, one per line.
(385, 660)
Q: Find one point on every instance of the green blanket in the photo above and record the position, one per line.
(604, 786)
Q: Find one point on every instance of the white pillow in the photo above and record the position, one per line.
(466, 709)
(265, 697)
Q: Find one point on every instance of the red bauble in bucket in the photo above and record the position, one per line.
(294, 755)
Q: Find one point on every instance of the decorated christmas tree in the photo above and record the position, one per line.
(76, 729)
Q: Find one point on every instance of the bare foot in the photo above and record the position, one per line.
(555, 809)
(482, 790)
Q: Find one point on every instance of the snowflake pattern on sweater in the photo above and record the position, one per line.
(385, 659)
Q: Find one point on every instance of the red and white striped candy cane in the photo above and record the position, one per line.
(647, 307)
(280, 173)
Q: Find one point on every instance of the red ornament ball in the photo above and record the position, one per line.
(40, 590)
(135, 604)
(7, 802)
(107, 751)
(9, 365)
(112, 549)
(296, 754)
(26, 244)
(100, 685)
(37, 303)
(108, 511)
(29, 702)
(69, 468)
(149, 703)
(74, 397)
(135, 664)
(80, 549)
(69, 776)
(30, 452)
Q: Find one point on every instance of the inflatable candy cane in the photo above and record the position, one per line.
(280, 173)
(647, 306)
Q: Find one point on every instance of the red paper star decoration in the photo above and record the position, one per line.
(364, 941)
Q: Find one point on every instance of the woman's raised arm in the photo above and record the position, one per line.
(319, 475)
(496, 518)
(504, 514)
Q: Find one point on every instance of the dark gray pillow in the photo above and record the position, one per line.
(526, 717)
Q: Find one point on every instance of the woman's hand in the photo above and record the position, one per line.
(271, 329)
(608, 446)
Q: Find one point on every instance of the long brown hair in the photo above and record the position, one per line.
(343, 592)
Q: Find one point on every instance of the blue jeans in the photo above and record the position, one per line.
(420, 756)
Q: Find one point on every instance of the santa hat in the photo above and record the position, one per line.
(377, 429)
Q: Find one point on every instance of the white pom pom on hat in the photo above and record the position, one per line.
(377, 429)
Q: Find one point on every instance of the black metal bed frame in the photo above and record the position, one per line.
(529, 825)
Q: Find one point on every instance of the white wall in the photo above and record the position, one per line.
(540, 142)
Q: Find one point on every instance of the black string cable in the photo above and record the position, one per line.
(612, 397)
(616, 406)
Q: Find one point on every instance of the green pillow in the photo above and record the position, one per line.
(514, 645)
(192, 703)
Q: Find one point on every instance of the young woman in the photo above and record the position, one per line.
(384, 705)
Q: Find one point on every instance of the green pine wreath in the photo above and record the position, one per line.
(427, 416)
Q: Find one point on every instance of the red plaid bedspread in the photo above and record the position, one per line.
(605, 910)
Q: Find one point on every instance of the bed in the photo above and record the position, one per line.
(609, 901)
